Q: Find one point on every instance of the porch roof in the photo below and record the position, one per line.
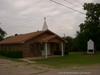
(46, 38)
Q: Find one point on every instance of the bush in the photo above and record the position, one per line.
(12, 53)
(66, 52)
(58, 52)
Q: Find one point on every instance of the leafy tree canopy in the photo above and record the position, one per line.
(90, 29)
(2, 34)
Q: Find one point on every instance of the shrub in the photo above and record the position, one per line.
(58, 52)
(12, 53)
(66, 52)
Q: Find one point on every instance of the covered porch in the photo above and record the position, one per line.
(49, 44)
(49, 48)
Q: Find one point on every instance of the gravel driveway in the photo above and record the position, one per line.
(8, 67)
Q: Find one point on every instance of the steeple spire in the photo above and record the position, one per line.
(45, 27)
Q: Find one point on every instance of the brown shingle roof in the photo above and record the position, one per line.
(46, 38)
(24, 37)
(21, 38)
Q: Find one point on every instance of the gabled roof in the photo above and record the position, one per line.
(24, 37)
(46, 38)
(21, 38)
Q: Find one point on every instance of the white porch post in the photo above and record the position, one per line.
(62, 48)
(46, 49)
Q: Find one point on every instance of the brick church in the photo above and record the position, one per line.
(39, 43)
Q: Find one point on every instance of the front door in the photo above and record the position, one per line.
(43, 48)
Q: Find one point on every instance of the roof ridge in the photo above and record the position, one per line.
(34, 36)
(21, 38)
(25, 37)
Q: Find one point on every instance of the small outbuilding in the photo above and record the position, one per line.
(39, 43)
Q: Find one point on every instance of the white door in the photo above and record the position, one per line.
(43, 52)
(43, 48)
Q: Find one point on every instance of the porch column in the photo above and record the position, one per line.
(46, 47)
(62, 48)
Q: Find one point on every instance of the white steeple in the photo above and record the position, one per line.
(45, 27)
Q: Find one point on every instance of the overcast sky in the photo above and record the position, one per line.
(25, 16)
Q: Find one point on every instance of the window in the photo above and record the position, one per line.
(42, 46)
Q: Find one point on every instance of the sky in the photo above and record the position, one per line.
(25, 16)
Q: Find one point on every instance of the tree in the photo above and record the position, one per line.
(16, 34)
(72, 44)
(2, 34)
(90, 29)
(68, 45)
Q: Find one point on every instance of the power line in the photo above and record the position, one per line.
(71, 3)
(67, 7)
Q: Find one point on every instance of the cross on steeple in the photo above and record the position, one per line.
(45, 27)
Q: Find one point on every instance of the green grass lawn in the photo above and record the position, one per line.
(73, 59)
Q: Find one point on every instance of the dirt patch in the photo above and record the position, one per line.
(8, 67)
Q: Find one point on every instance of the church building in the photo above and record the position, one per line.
(35, 44)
